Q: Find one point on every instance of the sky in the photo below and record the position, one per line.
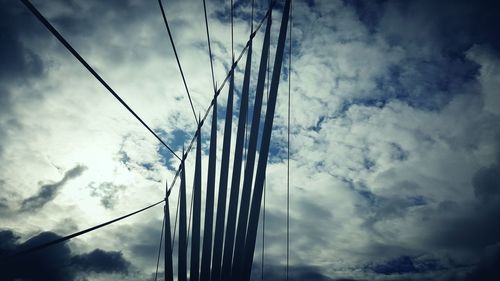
(394, 151)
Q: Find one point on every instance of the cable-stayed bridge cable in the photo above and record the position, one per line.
(209, 46)
(177, 58)
(76, 234)
(61, 39)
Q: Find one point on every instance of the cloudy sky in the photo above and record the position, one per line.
(395, 136)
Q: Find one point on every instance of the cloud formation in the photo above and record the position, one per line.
(394, 140)
(56, 263)
(48, 192)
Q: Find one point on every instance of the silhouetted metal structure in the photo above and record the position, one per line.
(230, 256)
(234, 242)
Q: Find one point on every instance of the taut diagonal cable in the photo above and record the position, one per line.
(68, 237)
(177, 58)
(61, 39)
(209, 46)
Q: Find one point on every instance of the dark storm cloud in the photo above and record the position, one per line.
(435, 35)
(55, 263)
(18, 63)
(17, 60)
(463, 228)
(488, 269)
(468, 229)
(455, 25)
(408, 268)
(472, 228)
(477, 227)
(405, 264)
(369, 12)
(77, 22)
(48, 192)
(100, 261)
(78, 18)
(23, 39)
(416, 80)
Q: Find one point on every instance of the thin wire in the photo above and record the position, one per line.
(265, 190)
(232, 34)
(76, 234)
(288, 149)
(159, 247)
(209, 46)
(177, 58)
(61, 39)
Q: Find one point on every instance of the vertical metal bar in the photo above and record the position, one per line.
(182, 256)
(264, 150)
(252, 147)
(235, 181)
(169, 272)
(288, 148)
(194, 271)
(206, 255)
(221, 202)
